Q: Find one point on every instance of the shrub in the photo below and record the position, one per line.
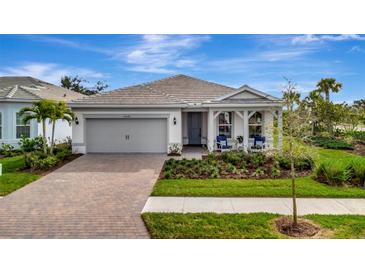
(357, 167)
(257, 159)
(7, 150)
(331, 143)
(258, 172)
(357, 135)
(284, 162)
(30, 144)
(40, 161)
(304, 163)
(63, 154)
(334, 173)
(275, 169)
(232, 157)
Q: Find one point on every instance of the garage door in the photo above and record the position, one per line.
(126, 135)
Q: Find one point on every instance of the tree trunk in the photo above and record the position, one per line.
(293, 187)
(327, 93)
(44, 136)
(53, 129)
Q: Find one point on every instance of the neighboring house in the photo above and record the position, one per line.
(180, 110)
(19, 92)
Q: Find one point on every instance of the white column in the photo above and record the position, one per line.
(280, 129)
(245, 130)
(211, 130)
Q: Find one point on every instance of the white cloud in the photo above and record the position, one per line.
(68, 43)
(356, 49)
(310, 38)
(161, 53)
(50, 72)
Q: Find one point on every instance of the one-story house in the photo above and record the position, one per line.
(19, 92)
(157, 116)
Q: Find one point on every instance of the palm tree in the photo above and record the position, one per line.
(311, 103)
(39, 111)
(60, 112)
(327, 85)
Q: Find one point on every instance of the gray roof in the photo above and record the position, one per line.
(179, 89)
(176, 90)
(19, 88)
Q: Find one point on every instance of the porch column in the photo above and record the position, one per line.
(280, 129)
(210, 131)
(245, 130)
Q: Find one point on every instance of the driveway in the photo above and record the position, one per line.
(94, 196)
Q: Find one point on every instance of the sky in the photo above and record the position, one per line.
(260, 61)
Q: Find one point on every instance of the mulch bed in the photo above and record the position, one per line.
(60, 164)
(304, 228)
(359, 148)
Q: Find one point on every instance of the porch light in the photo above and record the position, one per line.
(174, 120)
(76, 120)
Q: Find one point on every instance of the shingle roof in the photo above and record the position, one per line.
(179, 89)
(28, 88)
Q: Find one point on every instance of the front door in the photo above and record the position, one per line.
(195, 128)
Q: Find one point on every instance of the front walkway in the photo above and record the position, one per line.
(253, 205)
(94, 196)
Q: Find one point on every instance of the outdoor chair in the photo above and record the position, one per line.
(259, 142)
(222, 143)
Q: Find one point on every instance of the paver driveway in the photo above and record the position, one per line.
(95, 196)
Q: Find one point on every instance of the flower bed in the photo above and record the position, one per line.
(237, 165)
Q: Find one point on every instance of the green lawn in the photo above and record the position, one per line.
(12, 179)
(306, 187)
(238, 226)
(322, 154)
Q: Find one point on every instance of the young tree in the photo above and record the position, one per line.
(60, 111)
(327, 85)
(295, 123)
(39, 111)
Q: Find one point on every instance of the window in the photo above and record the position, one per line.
(1, 125)
(21, 128)
(255, 125)
(225, 124)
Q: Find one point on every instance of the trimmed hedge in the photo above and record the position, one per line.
(330, 143)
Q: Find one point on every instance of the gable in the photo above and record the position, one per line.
(245, 94)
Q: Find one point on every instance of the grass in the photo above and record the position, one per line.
(12, 179)
(243, 226)
(306, 187)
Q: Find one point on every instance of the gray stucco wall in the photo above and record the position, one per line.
(8, 113)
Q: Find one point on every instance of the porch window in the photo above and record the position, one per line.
(255, 125)
(21, 128)
(225, 124)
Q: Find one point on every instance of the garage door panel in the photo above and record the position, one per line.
(126, 135)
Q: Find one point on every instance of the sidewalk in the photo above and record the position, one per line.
(251, 205)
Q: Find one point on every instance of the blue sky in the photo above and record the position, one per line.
(260, 61)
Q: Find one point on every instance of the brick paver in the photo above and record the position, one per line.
(95, 196)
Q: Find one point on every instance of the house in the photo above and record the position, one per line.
(19, 92)
(180, 110)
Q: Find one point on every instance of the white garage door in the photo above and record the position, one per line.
(126, 135)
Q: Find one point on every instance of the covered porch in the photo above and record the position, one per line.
(250, 124)
(201, 128)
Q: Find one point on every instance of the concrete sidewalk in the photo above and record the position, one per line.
(251, 205)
